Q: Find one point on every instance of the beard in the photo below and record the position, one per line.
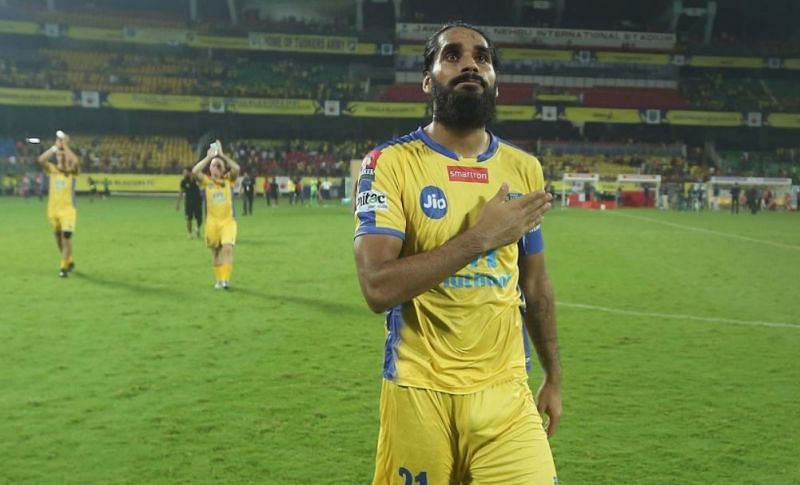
(466, 109)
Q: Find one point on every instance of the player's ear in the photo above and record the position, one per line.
(426, 82)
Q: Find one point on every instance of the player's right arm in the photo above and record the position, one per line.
(44, 158)
(197, 170)
(387, 280)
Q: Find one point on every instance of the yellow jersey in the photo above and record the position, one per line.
(467, 333)
(218, 197)
(61, 194)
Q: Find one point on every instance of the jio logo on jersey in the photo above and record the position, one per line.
(433, 202)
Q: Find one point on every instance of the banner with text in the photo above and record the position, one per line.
(517, 54)
(601, 115)
(95, 33)
(18, 27)
(720, 61)
(266, 106)
(131, 182)
(559, 98)
(552, 37)
(37, 97)
(783, 120)
(158, 102)
(376, 109)
(704, 118)
(633, 58)
(302, 43)
(515, 112)
(159, 36)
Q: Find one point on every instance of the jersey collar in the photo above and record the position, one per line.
(489, 153)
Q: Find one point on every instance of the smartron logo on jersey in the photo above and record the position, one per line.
(475, 175)
(433, 202)
(370, 200)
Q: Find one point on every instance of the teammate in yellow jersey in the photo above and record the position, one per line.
(448, 243)
(61, 199)
(220, 221)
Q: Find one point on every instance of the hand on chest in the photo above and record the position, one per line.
(443, 199)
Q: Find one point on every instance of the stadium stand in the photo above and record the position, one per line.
(569, 75)
(175, 74)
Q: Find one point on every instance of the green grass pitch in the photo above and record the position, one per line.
(680, 341)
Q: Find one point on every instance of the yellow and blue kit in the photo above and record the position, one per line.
(61, 199)
(220, 214)
(460, 346)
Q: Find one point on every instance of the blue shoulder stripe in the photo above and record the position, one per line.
(413, 136)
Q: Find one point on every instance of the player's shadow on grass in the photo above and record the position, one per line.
(130, 286)
(325, 306)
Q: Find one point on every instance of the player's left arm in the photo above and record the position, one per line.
(541, 323)
(540, 314)
(73, 164)
(233, 166)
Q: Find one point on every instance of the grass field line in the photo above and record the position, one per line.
(679, 316)
(710, 231)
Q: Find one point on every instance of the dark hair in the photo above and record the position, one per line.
(433, 43)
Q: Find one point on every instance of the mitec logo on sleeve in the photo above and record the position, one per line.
(370, 200)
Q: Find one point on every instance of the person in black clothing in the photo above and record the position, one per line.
(194, 202)
(751, 198)
(297, 198)
(248, 192)
(92, 189)
(273, 190)
(735, 191)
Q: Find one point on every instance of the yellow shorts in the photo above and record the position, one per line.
(220, 232)
(494, 436)
(63, 220)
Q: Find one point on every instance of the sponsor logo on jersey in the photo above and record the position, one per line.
(433, 202)
(371, 200)
(475, 175)
(218, 197)
(367, 174)
(60, 184)
(477, 280)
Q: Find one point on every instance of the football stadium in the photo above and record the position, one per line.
(377, 194)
